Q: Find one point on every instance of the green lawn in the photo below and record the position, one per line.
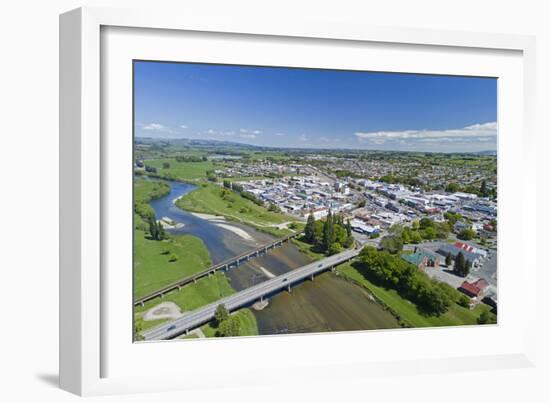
(249, 327)
(190, 297)
(207, 199)
(406, 310)
(147, 190)
(152, 266)
(181, 170)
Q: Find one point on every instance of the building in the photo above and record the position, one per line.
(472, 257)
(421, 259)
(474, 290)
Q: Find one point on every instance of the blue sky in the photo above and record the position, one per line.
(285, 107)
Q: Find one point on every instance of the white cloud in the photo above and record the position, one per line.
(246, 131)
(482, 130)
(302, 137)
(183, 126)
(247, 135)
(280, 134)
(157, 127)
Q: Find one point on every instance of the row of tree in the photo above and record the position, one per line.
(431, 296)
(329, 236)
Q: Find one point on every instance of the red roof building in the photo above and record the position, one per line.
(474, 289)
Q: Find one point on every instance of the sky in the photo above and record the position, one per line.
(314, 108)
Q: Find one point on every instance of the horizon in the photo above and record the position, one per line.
(296, 108)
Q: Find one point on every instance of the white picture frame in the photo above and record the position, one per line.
(85, 346)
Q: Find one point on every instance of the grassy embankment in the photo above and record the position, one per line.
(208, 199)
(403, 309)
(153, 267)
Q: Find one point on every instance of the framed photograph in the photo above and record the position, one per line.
(279, 199)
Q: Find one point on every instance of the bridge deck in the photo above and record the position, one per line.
(219, 266)
(205, 314)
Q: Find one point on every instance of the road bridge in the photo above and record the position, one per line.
(225, 265)
(196, 318)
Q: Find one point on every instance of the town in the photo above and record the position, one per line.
(375, 208)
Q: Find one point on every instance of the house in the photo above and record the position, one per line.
(421, 259)
(474, 290)
(445, 249)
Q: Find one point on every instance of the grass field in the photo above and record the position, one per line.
(182, 170)
(249, 327)
(152, 266)
(190, 297)
(207, 199)
(407, 311)
(147, 190)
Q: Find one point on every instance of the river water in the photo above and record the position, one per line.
(328, 303)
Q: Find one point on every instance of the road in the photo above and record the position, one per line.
(246, 297)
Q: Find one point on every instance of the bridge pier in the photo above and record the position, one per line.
(179, 287)
(312, 277)
(288, 288)
(194, 281)
(142, 304)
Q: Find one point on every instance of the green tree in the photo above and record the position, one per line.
(153, 227)
(483, 190)
(348, 228)
(466, 234)
(334, 248)
(460, 264)
(448, 259)
(165, 165)
(173, 258)
(221, 314)
(392, 244)
(230, 327)
(309, 230)
(328, 232)
(485, 317)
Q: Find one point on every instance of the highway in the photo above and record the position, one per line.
(245, 297)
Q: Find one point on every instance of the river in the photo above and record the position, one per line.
(328, 303)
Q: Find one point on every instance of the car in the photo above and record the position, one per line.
(171, 328)
(285, 279)
(321, 265)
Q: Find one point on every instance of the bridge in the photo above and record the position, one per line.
(246, 297)
(225, 265)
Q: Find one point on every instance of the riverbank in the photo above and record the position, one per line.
(208, 199)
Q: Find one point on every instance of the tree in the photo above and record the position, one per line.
(483, 190)
(334, 248)
(393, 244)
(426, 223)
(153, 227)
(348, 228)
(463, 301)
(230, 327)
(485, 317)
(452, 187)
(460, 264)
(173, 258)
(221, 314)
(466, 234)
(165, 165)
(448, 259)
(309, 230)
(328, 232)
